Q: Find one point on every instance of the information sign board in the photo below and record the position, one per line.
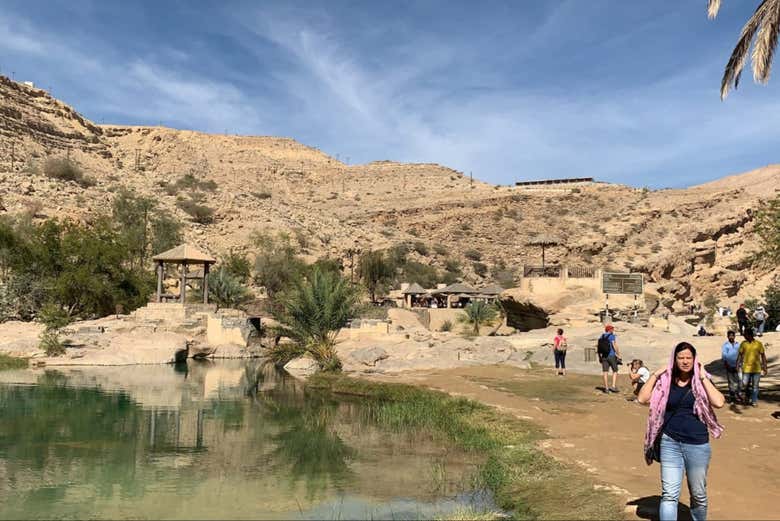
(622, 283)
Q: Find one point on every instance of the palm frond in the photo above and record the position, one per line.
(713, 6)
(766, 42)
(736, 63)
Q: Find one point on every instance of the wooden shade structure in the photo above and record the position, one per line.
(544, 240)
(184, 255)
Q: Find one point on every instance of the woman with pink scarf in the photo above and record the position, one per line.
(682, 401)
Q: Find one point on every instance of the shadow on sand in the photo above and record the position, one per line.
(647, 508)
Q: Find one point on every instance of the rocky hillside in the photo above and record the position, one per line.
(690, 242)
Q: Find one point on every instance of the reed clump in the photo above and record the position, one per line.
(523, 480)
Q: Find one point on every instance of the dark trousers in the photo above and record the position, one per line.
(560, 359)
(743, 325)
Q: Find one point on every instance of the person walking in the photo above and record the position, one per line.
(682, 401)
(729, 353)
(760, 316)
(609, 356)
(752, 360)
(742, 319)
(560, 345)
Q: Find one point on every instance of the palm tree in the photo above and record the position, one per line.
(764, 27)
(477, 314)
(315, 310)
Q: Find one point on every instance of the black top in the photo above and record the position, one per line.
(682, 424)
(742, 314)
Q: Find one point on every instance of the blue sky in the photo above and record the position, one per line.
(619, 90)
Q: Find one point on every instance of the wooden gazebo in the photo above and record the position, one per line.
(184, 255)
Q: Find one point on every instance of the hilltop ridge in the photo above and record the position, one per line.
(689, 242)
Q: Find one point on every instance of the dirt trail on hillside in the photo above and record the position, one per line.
(603, 434)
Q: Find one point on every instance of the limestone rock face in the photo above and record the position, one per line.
(370, 355)
(198, 350)
(302, 367)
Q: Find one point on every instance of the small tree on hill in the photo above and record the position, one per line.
(772, 298)
(374, 269)
(277, 264)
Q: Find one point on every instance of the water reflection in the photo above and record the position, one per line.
(209, 440)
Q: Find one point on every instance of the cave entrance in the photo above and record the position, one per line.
(524, 316)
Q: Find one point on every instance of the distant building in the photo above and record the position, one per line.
(29, 84)
(570, 180)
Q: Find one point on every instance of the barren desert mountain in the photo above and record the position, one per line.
(689, 242)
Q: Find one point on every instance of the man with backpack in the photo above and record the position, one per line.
(609, 356)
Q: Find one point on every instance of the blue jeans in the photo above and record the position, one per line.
(560, 359)
(751, 379)
(677, 457)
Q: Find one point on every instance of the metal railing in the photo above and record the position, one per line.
(541, 271)
(582, 272)
(576, 272)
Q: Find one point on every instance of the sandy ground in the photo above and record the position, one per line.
(603, 434)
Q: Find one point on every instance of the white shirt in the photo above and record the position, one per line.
(644, 374)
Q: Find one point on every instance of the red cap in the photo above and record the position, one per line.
(609, 327)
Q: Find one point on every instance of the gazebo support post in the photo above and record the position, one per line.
(205, 282)
(183, 291)
(159, 280)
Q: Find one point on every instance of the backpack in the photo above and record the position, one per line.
(603, 346)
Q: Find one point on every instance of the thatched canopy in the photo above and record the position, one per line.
(457, 287)
(184, 253)
(413, 289)
(545, 240)
(493, 289)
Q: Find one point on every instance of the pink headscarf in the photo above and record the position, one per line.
(701, 407)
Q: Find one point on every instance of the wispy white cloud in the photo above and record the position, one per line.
(558, 90)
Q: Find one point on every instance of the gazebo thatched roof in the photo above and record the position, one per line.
(457, 287)
(413, 289)
(184, 253)
(545, 239)
(492, 289)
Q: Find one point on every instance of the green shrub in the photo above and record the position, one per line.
(66, 170)
(440, 250)
(51, 343)
(446, 326)
(226, 290)
(276, 262)
(200, 213)
(480, 269)
(262, 195)
(237, 265)
(421, 248)
(772, 298)
(473, 255)
(54, 317)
